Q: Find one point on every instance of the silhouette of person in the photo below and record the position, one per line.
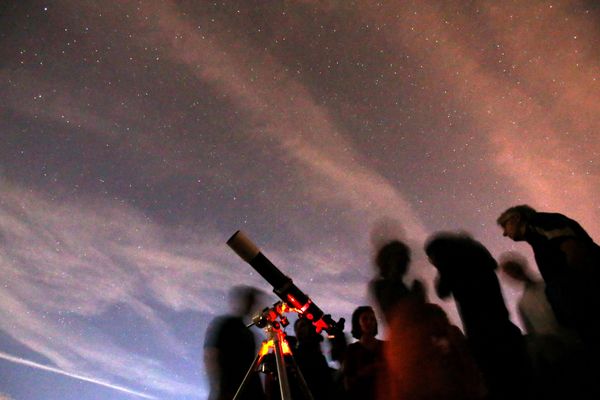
(466, 270)
(554, 350)
(569, 262)
(230, 348)
(311, 361)
(427, 358)
(388, 287)
(364, 358)
(535, 312)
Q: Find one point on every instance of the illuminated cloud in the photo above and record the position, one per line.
(100, 382)
(285, 115)
(140, 135)
(527, 88)
(61, 263)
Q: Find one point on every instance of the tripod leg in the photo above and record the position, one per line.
(284, 385)
(301, 381)
(252, 369)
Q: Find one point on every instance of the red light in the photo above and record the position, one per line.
(309, 316)
(293, 300)
(305, 307)
(320, 325)
(285, 347)
(264, 350)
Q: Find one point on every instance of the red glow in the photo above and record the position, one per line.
(285, 347)
(293, 301)
(264, 349)
(305, 307)
(267, 345)
(320, 325)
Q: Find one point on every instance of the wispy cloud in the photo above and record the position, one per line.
(285, 114)
(100, 382)
(65, 260)
(81, 256)
(528, 84)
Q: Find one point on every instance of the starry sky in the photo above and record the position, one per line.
(138, 136)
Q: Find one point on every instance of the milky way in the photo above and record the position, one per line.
(137, 136)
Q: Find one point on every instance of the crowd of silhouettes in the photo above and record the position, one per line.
(466, 271)
(425, 356)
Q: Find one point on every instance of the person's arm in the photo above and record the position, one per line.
(418, 290)
(211, 354)
(529, 329)
(211, 366)
(442, 287)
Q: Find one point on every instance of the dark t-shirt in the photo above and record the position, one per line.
(236, 352)
(315, 370)
(361, 369)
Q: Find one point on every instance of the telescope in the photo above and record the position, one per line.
(283, 286)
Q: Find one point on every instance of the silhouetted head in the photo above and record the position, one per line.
(305, 332)
(453, 253)
(242, 299)
(514, 266)
(443, 246)
(394, 257)
(363, 322)
(514, 221)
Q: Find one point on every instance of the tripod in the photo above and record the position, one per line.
(276, 344)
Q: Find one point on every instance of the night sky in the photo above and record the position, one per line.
(137, 136)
